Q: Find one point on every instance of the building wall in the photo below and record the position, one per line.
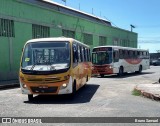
(25, 14)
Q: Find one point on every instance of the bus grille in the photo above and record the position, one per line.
(44, 90)
(44, 80)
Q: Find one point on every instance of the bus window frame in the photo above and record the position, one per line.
(115, 56)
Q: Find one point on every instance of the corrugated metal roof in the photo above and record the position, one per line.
(75, 12)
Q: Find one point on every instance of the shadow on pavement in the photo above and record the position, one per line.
(83, 95)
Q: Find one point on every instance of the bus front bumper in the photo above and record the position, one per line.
(63, 87)
(106, 69)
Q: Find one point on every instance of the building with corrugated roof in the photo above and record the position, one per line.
(21, 20)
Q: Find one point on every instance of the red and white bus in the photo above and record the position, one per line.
(119, 60)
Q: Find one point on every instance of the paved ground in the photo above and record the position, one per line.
(102, 97)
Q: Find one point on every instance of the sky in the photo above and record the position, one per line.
(143, 14)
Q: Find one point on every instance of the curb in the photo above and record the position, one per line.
(9, 86)
(150, 93)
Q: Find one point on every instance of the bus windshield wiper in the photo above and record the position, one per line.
(33, 65)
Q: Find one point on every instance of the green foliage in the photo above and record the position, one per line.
(136, 92)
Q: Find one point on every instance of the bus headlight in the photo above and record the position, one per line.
(24, 86)
(21, 79)
(110, 67)
(63, 86)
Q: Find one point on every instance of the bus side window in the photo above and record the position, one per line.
(126, 54)
(134, 54)
(79, 54)
(75, 55)
(138, 54)
(89, 54)
(84, 52)
(121, 55)
(116, 56)
(81, 57)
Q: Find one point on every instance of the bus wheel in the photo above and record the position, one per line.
(30, 97)
(86, 82)
(102, 75)
(140, 69)
(86, 79)
(120, 71)
(72, 95)
(159, 80)
(73, 89)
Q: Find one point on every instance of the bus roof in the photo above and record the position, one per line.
(52, 39)
(121, 47)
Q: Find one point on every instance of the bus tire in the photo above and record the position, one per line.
(140, 69)
(120, 71)
(73, 89)
(159, 80)
(30, 97)
(71, 95)
(102, 75)
(87, 79)
(86, 82)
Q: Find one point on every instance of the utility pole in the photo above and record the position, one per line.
(92, 10)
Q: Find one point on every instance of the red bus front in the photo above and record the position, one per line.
(102, 61)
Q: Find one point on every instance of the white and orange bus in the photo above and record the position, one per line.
(119, 60)
(54, 66)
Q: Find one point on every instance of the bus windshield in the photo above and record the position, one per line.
(46, 56)
(102, 57)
